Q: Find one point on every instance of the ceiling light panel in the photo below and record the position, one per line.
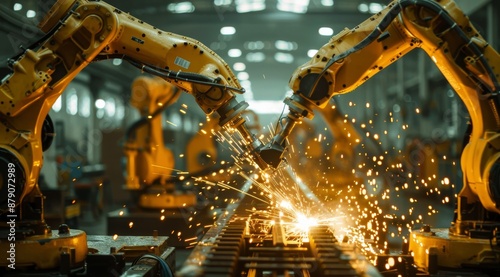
(228, 30)
(181, 7)
(294, 6)
(327, 3)
(284, 45)
(234, 53)
(283, 57)
(255, 57)
(311, 52)
(375, 7)
(325, 31)
(220, 3)
(254, 45)
(245, 6)
(243, 76)
(239, 66)
(372, 7)
(17, 7)
(30, 14)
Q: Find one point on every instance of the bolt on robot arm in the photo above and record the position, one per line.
(79, 32)
(466, 60)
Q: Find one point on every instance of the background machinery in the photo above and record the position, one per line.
(149, 163)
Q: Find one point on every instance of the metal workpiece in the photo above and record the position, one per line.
(252, 243)
(128, 245)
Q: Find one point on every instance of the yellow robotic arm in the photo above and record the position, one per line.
(444, 32)
(148, 160)
(79, 32)
(201, 150)
(466, 60)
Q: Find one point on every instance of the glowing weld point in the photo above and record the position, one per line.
(115, 236)
(304, 223)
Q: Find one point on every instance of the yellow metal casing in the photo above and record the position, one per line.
(148, 160)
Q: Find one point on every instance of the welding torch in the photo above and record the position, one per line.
(270, 155)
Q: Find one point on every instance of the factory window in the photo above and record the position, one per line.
(175, 121)
(100, 104)
(85, 107)
(120, 111)
(72, 102)
(110, 107)
(187, 124)
(56, 107)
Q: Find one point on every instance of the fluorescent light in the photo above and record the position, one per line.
(239, 66)
(363, 7)
(283, 57)
(256, 57)
(325, 31)
(181, 7)
(254, 45)
(243, 76)
(295, 6)
(285, 45)
(312, 52)
(100, 103)
(110, 107)
(228, 30)
(18, 6)
(58, 104)
(375, 7)
(327, 3)
(30, 14)
(84, 109)
(234, 53)
(72, 102)
(244, 6)
(218, 45)
(222, 2)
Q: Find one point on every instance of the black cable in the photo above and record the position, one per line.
(166, 271)
(182, 76)
(189, 77)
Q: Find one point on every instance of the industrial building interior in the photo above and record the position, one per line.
(250, 138)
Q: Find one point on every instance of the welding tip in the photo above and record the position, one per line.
(272, 153)
(269, 155)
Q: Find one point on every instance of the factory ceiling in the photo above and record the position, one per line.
(262, 40)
